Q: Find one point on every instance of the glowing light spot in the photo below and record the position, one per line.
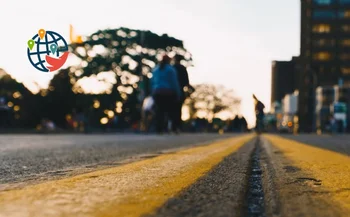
(119, 104)
(119, 110)
(104, 120)
(16, 108)
(96, 104)
(110, 114)
(16, 95)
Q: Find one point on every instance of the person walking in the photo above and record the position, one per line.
(4, 113)
(259, 111)
(166, 92)
(182, 75)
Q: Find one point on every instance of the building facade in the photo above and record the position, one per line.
(324, 52)
(326, 98)
(283, 79)
(290, 108)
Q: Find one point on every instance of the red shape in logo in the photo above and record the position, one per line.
(56, 63)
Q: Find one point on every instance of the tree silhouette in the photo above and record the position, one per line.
(110, 66)
(210, 100)
(25, 107)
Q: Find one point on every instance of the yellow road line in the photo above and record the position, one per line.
(130, 190)
(331, 167)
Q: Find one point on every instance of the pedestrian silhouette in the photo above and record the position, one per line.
(166, 92)
(259, 112)
(182, 75)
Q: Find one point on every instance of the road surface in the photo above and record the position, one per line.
(186, 175)
(32, 157)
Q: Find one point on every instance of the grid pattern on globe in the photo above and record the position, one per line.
(42, 48)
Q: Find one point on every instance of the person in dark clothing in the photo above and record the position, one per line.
(4, 113)
(243, 124)
(183, 82)
(166, 92)
(259, 111)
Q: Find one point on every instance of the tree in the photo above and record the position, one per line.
(24, 107)
(110, 66)
(210, 100)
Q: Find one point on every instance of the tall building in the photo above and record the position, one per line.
(283, 79)
(324, 53)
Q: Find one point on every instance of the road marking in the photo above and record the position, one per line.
(130, 190)
(332, 168)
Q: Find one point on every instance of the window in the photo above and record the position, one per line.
(345, 42)
(319, 15)
(322, 56)
(344, 2)
(323, 42)
(323, 2)
(344, 14)
(345, 70)
(345, 28)
(321, 28)
(344, 56)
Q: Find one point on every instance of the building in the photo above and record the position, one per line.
(283, 79)
(290, 103)
(343, 95)
(326, 98)
(289, 121)
(324, 52)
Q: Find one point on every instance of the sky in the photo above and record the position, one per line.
(233, 42)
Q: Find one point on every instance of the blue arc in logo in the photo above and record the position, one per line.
(42, 49)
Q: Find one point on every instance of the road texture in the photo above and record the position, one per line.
(306, 180)
(240, 175)
(130, 190)
(26, 158)
(220, 193)
(337, 143)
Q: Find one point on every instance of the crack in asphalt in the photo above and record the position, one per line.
(255, 193)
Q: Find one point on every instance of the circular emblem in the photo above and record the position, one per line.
(47, 51)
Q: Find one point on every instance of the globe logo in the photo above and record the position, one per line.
(47, 51)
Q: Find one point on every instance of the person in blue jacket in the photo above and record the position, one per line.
(166, 92)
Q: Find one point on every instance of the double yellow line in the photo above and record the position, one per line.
(140, 188)
(130, 190)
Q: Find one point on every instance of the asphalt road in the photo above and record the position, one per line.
(32, 157)
(219, 193)
(337, 143)
(232, 187)
(306, 178)
(224, 191)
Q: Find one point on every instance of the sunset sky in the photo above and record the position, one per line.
(232, 41)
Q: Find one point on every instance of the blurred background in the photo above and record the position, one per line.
(293, 55)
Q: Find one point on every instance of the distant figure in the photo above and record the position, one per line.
(48, 125)
(80, 119)
(243, 124)
(4, 112)
(184, 82)
(166, 92)
(333, 125)
(259, 112)
(147, 113)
